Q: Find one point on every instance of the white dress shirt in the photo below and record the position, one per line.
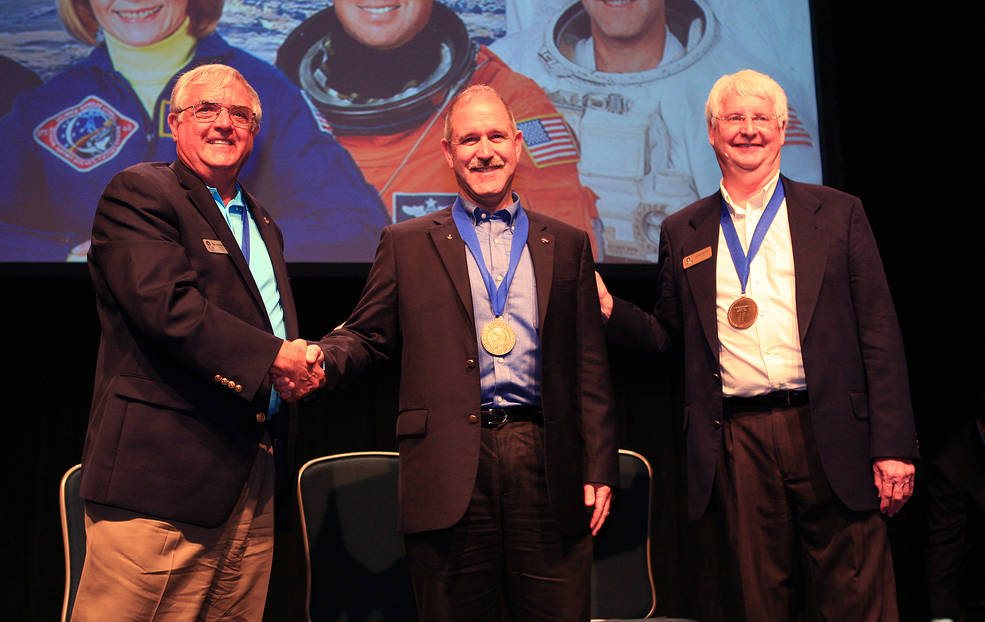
(766, 356)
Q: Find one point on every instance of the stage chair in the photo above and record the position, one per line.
(72, 512)
(622, 578)
(357, 570)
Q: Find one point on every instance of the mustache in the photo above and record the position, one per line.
(495, 160)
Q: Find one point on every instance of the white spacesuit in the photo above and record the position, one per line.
(644, 140)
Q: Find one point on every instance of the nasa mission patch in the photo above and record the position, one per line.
(85, 135)
(407, 205)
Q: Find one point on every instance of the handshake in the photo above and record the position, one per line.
(297, 370)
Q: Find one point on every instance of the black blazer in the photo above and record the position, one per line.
(418, 302)
(849, 337)
(181, 378)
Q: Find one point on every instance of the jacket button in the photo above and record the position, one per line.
(261, 417)
(473, 418)
(470, 363)
(716, 423)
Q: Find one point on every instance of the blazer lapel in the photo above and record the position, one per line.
(540, 244)
(451, 250)
(701, 277)
(200, 197)
(810, 250)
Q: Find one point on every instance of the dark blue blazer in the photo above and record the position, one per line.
(849, 338)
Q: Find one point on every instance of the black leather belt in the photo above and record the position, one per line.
(766, 402)
(495, 417)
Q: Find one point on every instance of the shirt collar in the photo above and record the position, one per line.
(755, 203)
(470, 208)
(236, 204)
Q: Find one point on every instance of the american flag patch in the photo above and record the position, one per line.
(320, 119)
(797, 134)
(549, 140)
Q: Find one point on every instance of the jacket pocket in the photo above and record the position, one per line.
(412, 422)
(860, 405)
(150, 391)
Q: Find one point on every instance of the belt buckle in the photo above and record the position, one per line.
(501, 417)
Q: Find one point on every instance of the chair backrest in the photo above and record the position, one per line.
(357, 568)
(72, 510)
(622, 577)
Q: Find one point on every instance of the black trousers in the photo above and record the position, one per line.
(506, 558)
(778, 505)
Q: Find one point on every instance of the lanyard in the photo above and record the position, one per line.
(740, 260)
(466, 228)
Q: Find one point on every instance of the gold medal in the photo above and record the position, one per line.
(497, 337)
(742, 313)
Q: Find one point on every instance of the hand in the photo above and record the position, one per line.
(894, 481)
(297, 370)
(605, 298)
(599, 496)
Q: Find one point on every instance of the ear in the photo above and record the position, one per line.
(446, 149)
(173, 123)
(783, 132)
(518, 144)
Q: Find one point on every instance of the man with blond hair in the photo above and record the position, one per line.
(196, 311)
(798, 419)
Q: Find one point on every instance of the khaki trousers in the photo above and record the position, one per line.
(139, 568)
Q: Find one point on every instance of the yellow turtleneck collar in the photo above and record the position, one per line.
(149, 68)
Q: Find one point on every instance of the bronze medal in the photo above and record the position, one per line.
(742, 313)
(497, 337)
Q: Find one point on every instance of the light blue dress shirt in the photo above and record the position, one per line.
(512, 379)
(260, 266)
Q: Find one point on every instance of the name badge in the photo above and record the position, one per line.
(215, 246)
(695, 258)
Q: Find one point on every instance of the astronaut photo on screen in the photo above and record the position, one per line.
(631, 78)
(65, 139)
(382, 74)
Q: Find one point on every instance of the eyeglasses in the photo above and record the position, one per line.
(240, 116)
(737, 119)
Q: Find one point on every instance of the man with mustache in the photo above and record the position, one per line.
(195, 307)
(797, 411)
(505, 426)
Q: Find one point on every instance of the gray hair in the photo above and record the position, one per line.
(213, 75)
(741, 83)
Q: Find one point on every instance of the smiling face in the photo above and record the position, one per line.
(483, 150)
(214, 150)
(747, 151)
(383, 24)
(139, 22)
(624, 19)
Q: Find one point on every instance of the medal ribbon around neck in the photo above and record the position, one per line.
(740, 260)
(466, 228)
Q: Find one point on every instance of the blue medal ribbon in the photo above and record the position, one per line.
(466, 228)
(741, 260)
(245, 245)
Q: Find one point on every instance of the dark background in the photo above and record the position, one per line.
(892, 85)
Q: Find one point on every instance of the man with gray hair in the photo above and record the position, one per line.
(798, 419)
(195, 308)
